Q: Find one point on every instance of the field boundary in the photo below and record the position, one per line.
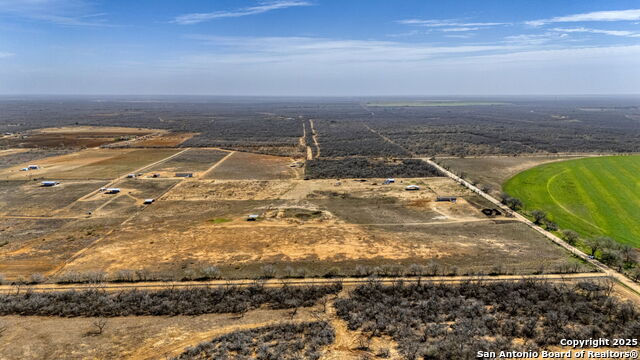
(124, 176)
(204, 174)
(345, 281)
(573, 250)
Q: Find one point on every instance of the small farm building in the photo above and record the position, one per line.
(412, 188)
(447, 198)
(49, 183)
(184, 175)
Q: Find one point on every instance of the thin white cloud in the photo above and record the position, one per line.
(308, 50)
(447, 23)
(459, 29)
(6, 55)
(623, 33)
(59, 12)
(459, 36)
(625, 53)
(614, 15)
(264, 7)
(534, 39)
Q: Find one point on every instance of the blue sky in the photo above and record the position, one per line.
(319, 47)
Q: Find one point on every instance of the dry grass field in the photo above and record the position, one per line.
(135, 337)
(75, 137)
(162, 140)
(194, 161)
(88, 164)
(318, 227)
(248, 166)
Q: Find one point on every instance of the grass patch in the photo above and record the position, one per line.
(219, 220)
(593, 196)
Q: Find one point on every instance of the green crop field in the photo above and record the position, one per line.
(593, 196)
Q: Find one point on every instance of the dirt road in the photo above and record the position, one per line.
(350, 281)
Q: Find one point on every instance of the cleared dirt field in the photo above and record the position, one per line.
(248, 166)
(164, 140)
(321, 226)
(191, 190)
(29, 198)
(40, 245)
(241, 250)
(13, 157)
(74, 137)
(192, 161)
(201, 223)
(493, 171)
(141, 337)
(89, 164)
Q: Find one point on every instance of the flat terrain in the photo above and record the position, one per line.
(133, 337)
(157, 337)
(76, 137)
(595, 196)
(193, 161)
(320, 215)
(492, 171)
(11, 157)
(162, 140)
(432, 103)
(248, 166)
(318, 227)
(89, 164)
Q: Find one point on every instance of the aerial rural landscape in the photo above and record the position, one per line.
(316, 202)
(319, 179)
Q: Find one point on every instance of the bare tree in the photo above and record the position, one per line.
(98, 326)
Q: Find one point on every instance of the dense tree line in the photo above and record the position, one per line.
(282, 341)
(444, 321)
(174, 301)
(523, 126)
(368, 168)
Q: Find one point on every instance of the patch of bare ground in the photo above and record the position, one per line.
(161, 140)
(140, 337)
(29, 198)
(73, 137)
(88, 164)
(228, 190)
(191, 161)
(249, 166)
(40, 245)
